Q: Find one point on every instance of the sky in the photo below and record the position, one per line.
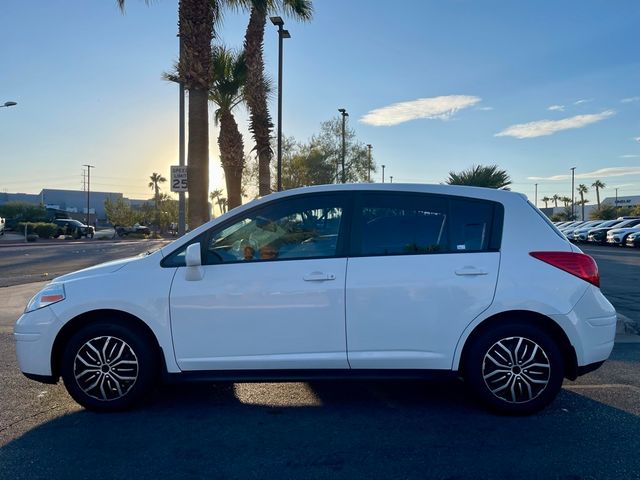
(536, 87)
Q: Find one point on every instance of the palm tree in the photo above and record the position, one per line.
(156, 179)
(229, 78)
(566, 201)
(582, 189)
(598, 185)
(215, 197)
(481, 176)
(196, 20)
(546, 200)
(555, 198)
(256, 87)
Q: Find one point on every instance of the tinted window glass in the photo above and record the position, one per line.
(304, 227)
(410, 224)
(402, 224)
(471, 223)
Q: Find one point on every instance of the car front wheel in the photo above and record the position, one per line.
(108, 367)
(515, 369)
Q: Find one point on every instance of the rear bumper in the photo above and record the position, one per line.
(591, 328)
(589, 368)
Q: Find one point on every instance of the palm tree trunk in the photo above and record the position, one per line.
(598, 196)
(260, 123)
(232, 157)
(198, 157)
(582, 202)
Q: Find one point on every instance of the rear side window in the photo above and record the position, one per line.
(410, 224)
(471, 225)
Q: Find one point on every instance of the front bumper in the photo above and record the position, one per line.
(35, 333)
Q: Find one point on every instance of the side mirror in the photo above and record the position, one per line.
(193, 256)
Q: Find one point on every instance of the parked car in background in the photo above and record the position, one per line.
(341, 281)
(599, 234)
(618, 236)
(74, 228)
(633, 240)
(568, 229)
(573, 234)
(136, 228)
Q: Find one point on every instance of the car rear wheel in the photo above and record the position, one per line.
(515, 369)
(108, 367)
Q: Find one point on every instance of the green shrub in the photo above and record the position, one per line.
(40, 229)
(45, 230)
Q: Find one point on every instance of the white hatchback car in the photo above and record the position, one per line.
(339, 281)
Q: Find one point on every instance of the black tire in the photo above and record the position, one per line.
(116, 378)
(504, 383)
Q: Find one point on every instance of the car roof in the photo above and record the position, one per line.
(457, 190)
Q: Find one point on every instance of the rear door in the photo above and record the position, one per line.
(422, 268)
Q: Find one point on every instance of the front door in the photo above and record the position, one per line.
(271, 294)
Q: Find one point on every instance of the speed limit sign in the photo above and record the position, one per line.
(178, 178)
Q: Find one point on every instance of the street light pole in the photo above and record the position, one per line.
(344, 114)
(616, 201)
(573, 195)
(281, 35)
(383, 173)
(391, 178)
(536, 195)
(89, 167)
(369, 169)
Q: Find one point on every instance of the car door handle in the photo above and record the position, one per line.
(471, 271)
(318, 277)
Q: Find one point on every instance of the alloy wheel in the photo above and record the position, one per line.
(105, 368)
(516, 369)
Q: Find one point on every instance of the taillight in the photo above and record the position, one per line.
(578, 264)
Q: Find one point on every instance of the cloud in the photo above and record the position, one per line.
(630, 100)
(637, 139)
(556, 108)
(601, 173)
(435, 107)
(583, 100)
(630, 156)
(485, 109)
(549, 127)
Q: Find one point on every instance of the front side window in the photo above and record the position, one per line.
(304, 227)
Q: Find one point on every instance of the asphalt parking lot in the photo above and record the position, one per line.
(364, 429)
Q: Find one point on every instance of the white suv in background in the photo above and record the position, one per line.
(339, 281)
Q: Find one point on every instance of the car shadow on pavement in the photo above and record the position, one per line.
(365, 429)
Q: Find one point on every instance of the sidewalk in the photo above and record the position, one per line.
(14, 299)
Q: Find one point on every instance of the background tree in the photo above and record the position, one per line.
(556, 197)
(256, 89)
(598, 185)
(230, 74)
(215, 198)
(22, 212)
(196, 19)
(119, 212)
(582, 189)
(566, 201)
(546, 200)
(328, 142)
(154, 184)
(481, 176)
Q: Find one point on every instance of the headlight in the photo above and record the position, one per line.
(49, 295)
